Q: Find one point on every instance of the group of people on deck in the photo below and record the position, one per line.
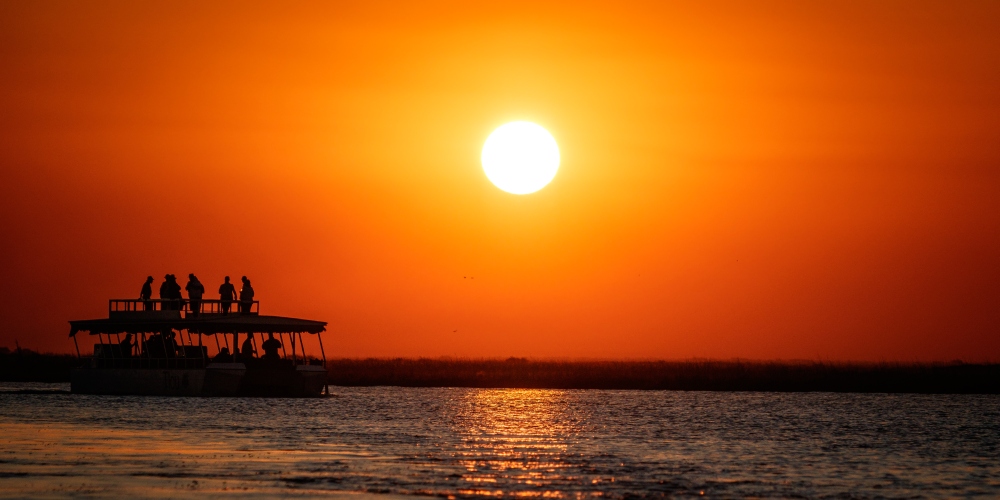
(248, 351)
(166, 345)
(170, 293)
(158, 345)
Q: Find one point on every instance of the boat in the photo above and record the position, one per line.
(138, 352)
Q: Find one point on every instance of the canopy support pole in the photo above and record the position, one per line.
(77, 344)
(302, 344)
(321, 350)
(326, 383)
(163, 342)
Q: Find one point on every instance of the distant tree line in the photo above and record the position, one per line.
(670, 375)
(23, 365)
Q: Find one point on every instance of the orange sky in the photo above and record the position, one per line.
(791, 180)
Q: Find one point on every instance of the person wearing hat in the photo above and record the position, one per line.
(146, 294)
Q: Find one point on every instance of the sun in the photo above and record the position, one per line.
(520, 157)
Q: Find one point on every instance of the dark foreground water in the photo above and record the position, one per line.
(474, 442)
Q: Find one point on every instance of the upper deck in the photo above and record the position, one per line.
(213, 316)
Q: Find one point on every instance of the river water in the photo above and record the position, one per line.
(454, 442)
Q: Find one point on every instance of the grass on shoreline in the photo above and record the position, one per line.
(25, 365)
(694, 375)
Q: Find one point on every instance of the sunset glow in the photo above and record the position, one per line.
(801, 180)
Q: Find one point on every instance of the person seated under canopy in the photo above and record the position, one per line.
(270, 347)
(125, 346)
(223, 356)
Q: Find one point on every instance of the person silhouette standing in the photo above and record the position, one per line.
(195, 290)
(246, 296)
(171, 343)
(166, 294)
(247, 350)
(175, 293)
(170, 291)
(227, 293)
(146, 294)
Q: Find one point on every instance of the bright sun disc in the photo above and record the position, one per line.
(520, 157)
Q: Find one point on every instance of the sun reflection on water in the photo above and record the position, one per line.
(517, 435)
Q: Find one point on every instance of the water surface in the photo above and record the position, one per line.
(476, 442)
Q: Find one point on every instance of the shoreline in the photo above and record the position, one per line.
(708, 375)
(694, 375)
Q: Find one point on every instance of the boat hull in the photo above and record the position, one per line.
(303, 381)
(218, 379)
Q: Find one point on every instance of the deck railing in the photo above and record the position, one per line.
(190, 307)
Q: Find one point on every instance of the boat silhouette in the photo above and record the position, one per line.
(155, 364)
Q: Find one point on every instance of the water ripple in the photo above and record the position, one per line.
(499, 443)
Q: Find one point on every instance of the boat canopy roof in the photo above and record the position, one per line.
(208, 324)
